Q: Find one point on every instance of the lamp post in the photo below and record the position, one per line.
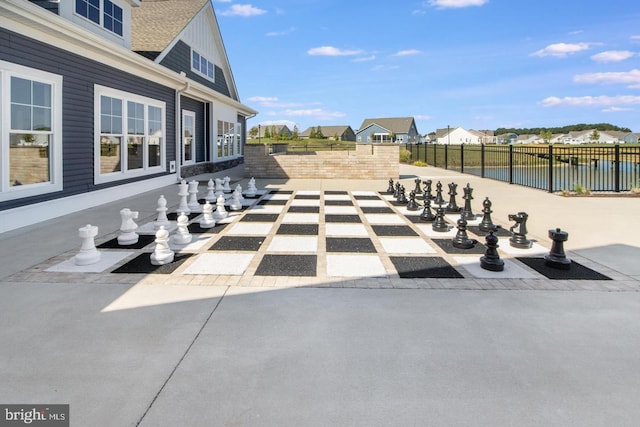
(448, 136)
(259, 134)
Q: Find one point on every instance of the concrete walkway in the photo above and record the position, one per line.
(166, 354)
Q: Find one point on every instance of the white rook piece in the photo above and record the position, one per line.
(162, 220)
(207, 220)
(88, 253)
(162, 254)
(211, 196)
(226, 188)
(193, 197)
(128, 227)
(183, 193)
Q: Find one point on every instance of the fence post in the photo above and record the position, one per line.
(510, 163)
(461, 158)
(550, 189)
(418, 156)
(446, 156)
(616, 167)
(482, 160)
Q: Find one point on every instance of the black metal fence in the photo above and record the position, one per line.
(546, 167)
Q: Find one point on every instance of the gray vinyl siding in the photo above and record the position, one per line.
(198, 108)
(179, 59)
(79, 77)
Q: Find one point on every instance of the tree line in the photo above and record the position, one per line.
(562, 129)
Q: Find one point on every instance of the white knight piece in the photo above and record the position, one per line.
(128, 227)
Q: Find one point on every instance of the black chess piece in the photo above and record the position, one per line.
(412, 205)
(519, 229)
(390, 187)
(453, 206)
(396, 192)
(486, 224)
(462, 240)
(438, 199)
(417, 190)
(427, 215)
(557, 258)
(467, 213)
(491, 260)
(426, 194)
(402, 199)
(439, 223)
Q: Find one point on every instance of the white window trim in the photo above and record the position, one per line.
(101, 24)
(198, 72)
(126, 174)
(7, 70)
(192, 114)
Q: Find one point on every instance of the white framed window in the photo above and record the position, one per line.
(202, 66)
(30, 132)
(228, 141)
(188, 137)
(105, 13)
(129, 135)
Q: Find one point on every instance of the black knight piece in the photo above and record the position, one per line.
(519, 230)
(462, 240)
(486, 224)
(557, 258)
(439, 223)
(427, 215)
(412, 205)
(390, 187)
(467, 213)
(491, 260)
(439, 200)
(453, 206)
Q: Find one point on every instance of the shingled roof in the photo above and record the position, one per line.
(156, 23)
(392, 124)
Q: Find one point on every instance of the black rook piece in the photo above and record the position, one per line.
(519, 230)
(557, 258)
(462, 240)
(491, 260)
(390, 188)
(417, 190)
(487, 223)
(453, 206)
(412, 205)
(467, 213)
(439, 200)
(439, 223)
(427, 215)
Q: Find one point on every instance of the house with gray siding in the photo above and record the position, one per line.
(338, 133)
(395, 129)
(104, 99)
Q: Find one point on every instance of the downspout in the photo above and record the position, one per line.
(179, 128)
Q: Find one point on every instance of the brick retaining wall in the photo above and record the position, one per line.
(368, 161)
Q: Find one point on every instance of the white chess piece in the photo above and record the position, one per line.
(193, 197)
(182, 236)
(88, 253)
(239, 190)
(221, 212)
(207, 220)
(183, 193)
(162, 220)
(251, 188)
(226, 188)
(219, 185)
(128, 227)
(211, 196)
(162, 254)
(235, 204)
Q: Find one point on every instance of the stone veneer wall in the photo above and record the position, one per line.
(368, 161)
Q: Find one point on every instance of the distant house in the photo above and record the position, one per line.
(258, 132)
(585, 137)
(631, 137)
(399, 129)
(339, 133)
(456, 136)
(486, 136)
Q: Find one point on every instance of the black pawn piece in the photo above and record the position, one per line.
(426, 194)
(390, 188)
(403, 196)
(486, 224)
(462, 240)
(427, 214)
(491, 260)
(467, 213)
(453, 206)
(417, 189)
(439, 223)
(557, 258)
(412, 205)
(396, 191)
(439, 200)
(519, 230)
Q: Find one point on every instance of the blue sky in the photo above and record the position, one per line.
(479, 64)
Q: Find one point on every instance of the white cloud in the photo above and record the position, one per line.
(280, 33)
(561, 50)
(384, 67)
(315, 113)
(365, 58)
(407, 52)
(422, 117)
(332, 51)
(590, 101)
(576, 32)
(244, 10)
(616, 109)
(287, 123)
(262, 99)
(456, 4)
(613, 56)
(630, 78)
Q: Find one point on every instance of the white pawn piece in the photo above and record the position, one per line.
(182, 236)
(193, 197)
(236, 204)
(251, 188)
(162, 254)
(207, 220)
(221, 212)
(210, 197)
(239, 190)
(162, 220)
(226, 188)
(88, 253)
(183, 193)
(128, 227)
(219, 186)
